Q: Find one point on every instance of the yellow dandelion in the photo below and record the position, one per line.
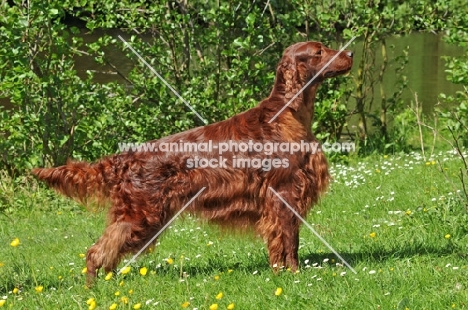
(137, 306)
(408, 212)
(121, 283)
(2, 302)
(84, 270)
(185, 304)
(230, 270)
(91, 303)
(216, 278)
(278, 291)
(170, 261)
(214, 307)
(117, 293)
(377, 170)
(143, 271)
(219, 296)
(108, 276)
(15, 242)
(15, 290)
(230, 306)
(373, 234)
(130, 291)
(334, 274)
(60, 277)
(81, 255)
(433, 162)
(125, 270)
(2, 264)
(39, 289)
(428, 163)
(113, 306)
(124, 300)
(447, 236)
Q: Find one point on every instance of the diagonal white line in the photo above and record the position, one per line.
(162, 79)
(268, 2)
(313, 230)
(161, 230)
(311, 80)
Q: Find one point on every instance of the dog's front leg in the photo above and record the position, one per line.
(279, 227)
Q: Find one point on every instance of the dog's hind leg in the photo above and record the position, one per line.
(108, 250)
(121, 237)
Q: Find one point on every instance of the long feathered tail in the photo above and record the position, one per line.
(80, 180)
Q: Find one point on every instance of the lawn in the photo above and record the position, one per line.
(397, 220)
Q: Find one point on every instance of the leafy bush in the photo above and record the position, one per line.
(456, 120)
(221, 58)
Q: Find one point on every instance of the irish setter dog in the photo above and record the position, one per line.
(146, 189)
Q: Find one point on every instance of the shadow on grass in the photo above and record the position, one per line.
(383, 255)
(259, 264)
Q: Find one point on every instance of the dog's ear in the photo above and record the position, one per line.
(291, 81)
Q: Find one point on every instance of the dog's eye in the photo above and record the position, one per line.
(318, 52)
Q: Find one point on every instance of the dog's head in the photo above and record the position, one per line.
(304, 61)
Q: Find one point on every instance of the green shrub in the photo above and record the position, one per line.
(220, 57)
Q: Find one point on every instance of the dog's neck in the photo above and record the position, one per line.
(305, 112)
(299, 122)
(305, 103)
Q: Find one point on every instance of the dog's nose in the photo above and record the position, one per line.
(349, 54)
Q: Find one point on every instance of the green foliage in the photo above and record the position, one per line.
(330, 110)
(457, 73)
(456, 120)
(56, 115)
(220, 57)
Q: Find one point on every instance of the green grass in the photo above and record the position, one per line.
(389, 217)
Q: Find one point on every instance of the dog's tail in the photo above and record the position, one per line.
(80, 180)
